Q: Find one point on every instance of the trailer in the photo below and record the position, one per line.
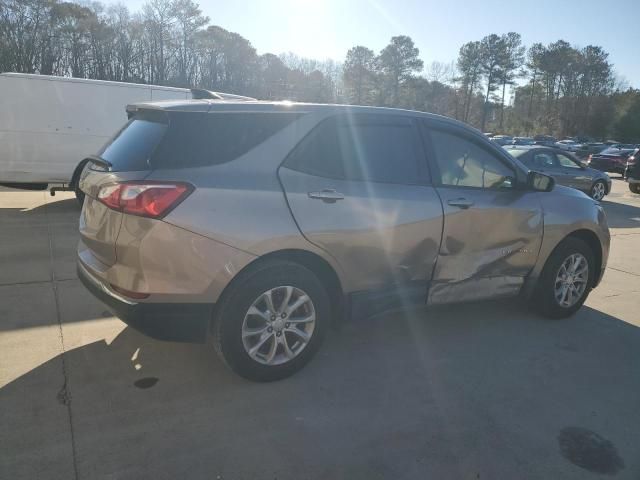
(50, 125)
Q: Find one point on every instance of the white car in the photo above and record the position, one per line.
(568, 145)
(50, 125)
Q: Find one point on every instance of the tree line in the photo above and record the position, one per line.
(496, 83)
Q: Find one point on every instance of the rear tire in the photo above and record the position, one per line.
(233, 332)
(634, 187)
(598, 190)
(545, 299)
(79, 195)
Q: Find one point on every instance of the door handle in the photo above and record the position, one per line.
(461, 203)
(327, 195)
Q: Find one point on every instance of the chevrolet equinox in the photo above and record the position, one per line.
(252, 225)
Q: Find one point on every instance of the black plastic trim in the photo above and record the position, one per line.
(177, 322)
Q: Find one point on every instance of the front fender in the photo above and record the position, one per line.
(569, 212)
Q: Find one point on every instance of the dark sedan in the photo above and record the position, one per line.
(632, 172)
(564, 168)
(613, 159)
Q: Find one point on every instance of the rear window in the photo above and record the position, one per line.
(202, 139)
(131, 148)
(517, 153)
(616, 151)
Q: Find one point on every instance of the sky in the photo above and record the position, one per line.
(324, 29)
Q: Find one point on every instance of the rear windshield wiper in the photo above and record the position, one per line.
(101, 162)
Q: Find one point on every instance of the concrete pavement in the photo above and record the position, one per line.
(473, 391)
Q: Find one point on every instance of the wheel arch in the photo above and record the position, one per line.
(591, 239)
(312, 261)
(73, 183)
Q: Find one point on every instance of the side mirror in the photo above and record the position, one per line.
(540, 182)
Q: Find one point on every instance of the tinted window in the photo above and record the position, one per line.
(566, 161)
(319, 153)
(542, 160)
(381, 152)
(201, 139)
(466, 164)
(367, 150)
(131, 148)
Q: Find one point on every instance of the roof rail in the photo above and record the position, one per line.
(201, 93)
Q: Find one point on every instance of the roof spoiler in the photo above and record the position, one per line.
(200, 93)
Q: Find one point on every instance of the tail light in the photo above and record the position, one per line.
(145, 199)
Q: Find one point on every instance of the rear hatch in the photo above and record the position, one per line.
(124, 158)
(154, 163)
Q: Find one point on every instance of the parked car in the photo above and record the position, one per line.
(568, 145)
(612, 159)
(502, 139)
(522, 141)
(587, 149)
(565, 169)
(260, 223)
(546, 140)
(47, 129)
(632, 171)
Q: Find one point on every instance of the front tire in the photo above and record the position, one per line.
(566, 279)
(271, 320)
(598, 190)
(634, 187)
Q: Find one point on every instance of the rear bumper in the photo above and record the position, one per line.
(178, 322)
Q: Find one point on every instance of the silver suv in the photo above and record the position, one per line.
(254, 225)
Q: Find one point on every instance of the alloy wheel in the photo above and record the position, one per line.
(571, 280)
(598, 191)
(278, 325)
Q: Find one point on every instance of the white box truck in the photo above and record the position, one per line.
(50, 125)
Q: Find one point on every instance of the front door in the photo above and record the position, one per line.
(358, 188)
(574, 174)
(492, 227)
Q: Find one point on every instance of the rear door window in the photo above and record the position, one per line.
(203, 139)
(369, 148)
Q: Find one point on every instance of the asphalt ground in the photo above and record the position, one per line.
(485, 390)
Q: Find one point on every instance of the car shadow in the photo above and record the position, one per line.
(620, 215)
(479, 390)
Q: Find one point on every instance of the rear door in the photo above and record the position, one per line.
(358, 188)
(492, 228)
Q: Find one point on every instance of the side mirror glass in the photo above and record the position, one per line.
(540, 182)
